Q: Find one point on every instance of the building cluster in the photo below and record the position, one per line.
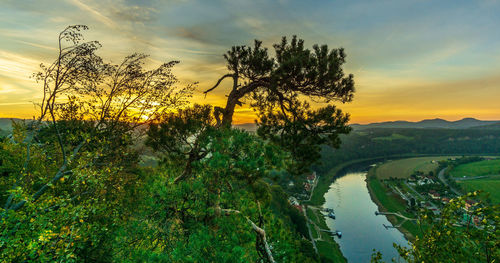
(308, 183)
(421, 179)
(295, 203)
(310, 179)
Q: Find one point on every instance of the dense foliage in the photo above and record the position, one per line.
(74, 189)
(280, 88)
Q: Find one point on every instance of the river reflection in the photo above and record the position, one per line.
(362, 230)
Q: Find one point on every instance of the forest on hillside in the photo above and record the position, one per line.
(75, 186)
(391, 142)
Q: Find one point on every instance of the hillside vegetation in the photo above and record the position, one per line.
(440, 142)
(73, 187)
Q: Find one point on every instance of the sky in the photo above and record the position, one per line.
(411, 59)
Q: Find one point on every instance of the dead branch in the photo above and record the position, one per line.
(261, 233)
(218, 82)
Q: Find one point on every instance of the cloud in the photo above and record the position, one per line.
(96, 14)
(134, 13)
(410, 57)
(16, 66)
(193, 33)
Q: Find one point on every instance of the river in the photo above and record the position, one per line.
(362, 231)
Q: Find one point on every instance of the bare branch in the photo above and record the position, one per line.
(261, 233)
(218, 82)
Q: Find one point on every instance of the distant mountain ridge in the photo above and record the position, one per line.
(465, 123)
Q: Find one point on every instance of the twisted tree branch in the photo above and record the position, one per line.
(218, 82)
(261, 233)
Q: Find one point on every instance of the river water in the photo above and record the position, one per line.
(362, 231)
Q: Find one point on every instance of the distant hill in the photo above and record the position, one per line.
(465, 123)
(494, 126)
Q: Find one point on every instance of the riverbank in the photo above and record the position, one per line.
(326, 245)
(328, 249)
(386, 201)
(318, 196)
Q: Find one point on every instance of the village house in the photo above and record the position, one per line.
(311, 178)
(293, 201)
(307, 187)
(424, 181)
(298, 207)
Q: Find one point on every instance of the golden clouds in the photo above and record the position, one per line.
(413, 100)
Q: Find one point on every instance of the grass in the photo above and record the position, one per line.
(327, 248)
(313, 232)
(486, 167)
(312, 216)
(388, 201)
(318, 218)
(405, 167)
(489, 185)
(328, 254)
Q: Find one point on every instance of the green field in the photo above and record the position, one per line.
(390, 201)
(387, 201)
(481, 168)
(489, 185)
(405, 167)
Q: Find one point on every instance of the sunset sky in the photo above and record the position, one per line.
(411, 60)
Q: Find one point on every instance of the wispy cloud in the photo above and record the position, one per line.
(17, 66)
(96, 14)
(408, 57)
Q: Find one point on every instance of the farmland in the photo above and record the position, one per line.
(489, 181)
(405, 167)
(481, 168)
(489, 185)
